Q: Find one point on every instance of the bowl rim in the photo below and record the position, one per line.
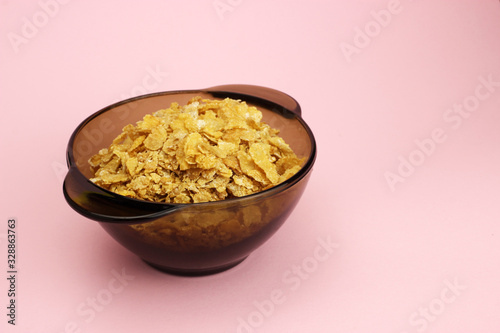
(279, 109)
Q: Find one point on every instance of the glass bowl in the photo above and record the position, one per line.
(196, 238)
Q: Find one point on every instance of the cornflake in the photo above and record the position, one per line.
(207, 150)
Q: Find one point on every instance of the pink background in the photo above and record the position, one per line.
(379, 82)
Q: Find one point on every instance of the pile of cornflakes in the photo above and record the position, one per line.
(207, 150)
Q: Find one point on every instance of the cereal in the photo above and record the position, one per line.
(207, 150)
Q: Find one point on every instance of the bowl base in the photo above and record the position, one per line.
(193, 272)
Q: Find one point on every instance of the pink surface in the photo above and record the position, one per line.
(399, 228)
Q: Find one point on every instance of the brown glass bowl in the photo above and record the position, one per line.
(197, 238)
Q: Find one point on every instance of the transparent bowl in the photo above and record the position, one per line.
(196, 238)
